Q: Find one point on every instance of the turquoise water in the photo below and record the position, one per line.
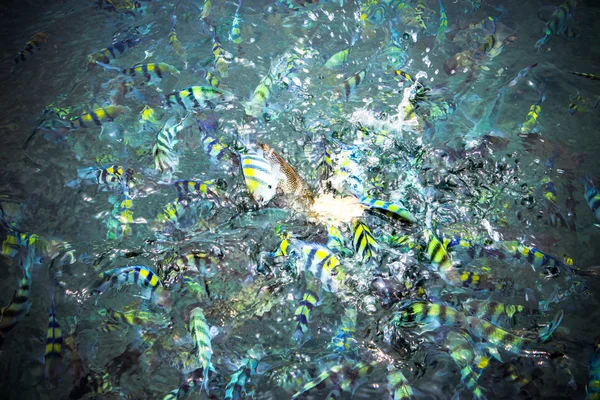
(445, 144)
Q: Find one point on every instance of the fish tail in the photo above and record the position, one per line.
(551, 327)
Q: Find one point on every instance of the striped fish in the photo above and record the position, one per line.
(54, 346)
(335, 241)
(235, 34)
(423, 316)
(134, 275)
(173, 211)
(586, 75)
(557, 22)
(536, 258)
(15, 311)
(196, 97)
(321, 262)
(261, 178)
(350, 85)
(398, 386)
(98, 116)
(499, 338)
(576, 104)
(436, 252)
(393, 210)
(471, 365)
(222, 58)
(324, 168)
(495, 312)
(201, 263)
(112, 52)
(344, 340)
(441, 33)
(135, 317)
(532, 116)
(174, 42)
(303, 314)
(200, 331)
(152, 72)
(345, 376)
(256, 106)
(236, 387)
(163, 151)
(36, 40)
(593, 388)
(363, 241)
(592, 196)
(213, 189)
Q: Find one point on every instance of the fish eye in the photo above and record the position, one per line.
(270, 187)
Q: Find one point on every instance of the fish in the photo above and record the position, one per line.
(222, 58)
(419, 9)
(213, 189)
(201, 337)
(324, 167)
(98, 116)
(54, 347)
(107, 178)
(593, 388)
(302, 315)
(336, 242)
(212, 79)
(537, 258)
(441, 33)
(173, 211)
(196, 97)
(113, 51)
(586, 75)
(557, 22)
(470, 364)
(532, 116)
(423, 316)
(344, 340)
(496, 337)
(349, 86)
(340, 59)
(235, 33)
(398, 386)
(592, 196)
(522, 73)
(255, 107)
(137, 317)
(200, 263)
(163, 151)
(152, 72)
(206, 9)
(174, 42)
(135, 275)
(393, 210)
(34, 42)
(291, 183)
(236, 387)
(216, 149)
(321, 262)
(363, 241)
(497, 313)
(260, 176)
(18, 307)
(347, 376)
(576, 104)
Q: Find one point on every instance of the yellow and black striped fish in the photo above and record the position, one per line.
(196, 97)
(303, 314)
(347, 376)
(363, 241)
(350, 85)
(557, 22)
(152, 72)
(163, 151)
(213, 189)
(98, 116)
(593, 77)
(174, 42)
(576, 104)
(222, 58)
(426, 316)
(36, 40)
(392, 210)
(18, 307)
(173, 211)
(236, 35)
(54, 345)
(112, 52)
(260, 176)
(397, 385)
